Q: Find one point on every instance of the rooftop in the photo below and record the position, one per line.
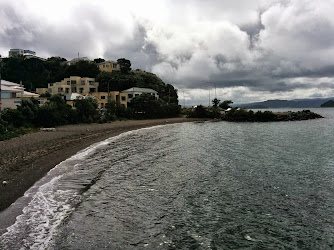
(143, 90)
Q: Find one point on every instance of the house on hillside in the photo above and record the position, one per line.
(77, 59)
(24, 52)
(133, 92)
(116, 96)
(13, 93)
(108, 66)
(69, 98)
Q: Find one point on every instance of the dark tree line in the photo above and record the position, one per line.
(35, 73)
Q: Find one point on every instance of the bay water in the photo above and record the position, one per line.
(210, 185)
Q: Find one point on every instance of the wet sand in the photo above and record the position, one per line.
(26, 159)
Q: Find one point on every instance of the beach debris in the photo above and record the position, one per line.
(4, 183)
(247, 237)
(47, 129)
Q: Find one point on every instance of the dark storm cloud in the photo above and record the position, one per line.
(261, 46)
(15, 32)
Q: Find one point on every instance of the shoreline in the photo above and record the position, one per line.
(26, 159)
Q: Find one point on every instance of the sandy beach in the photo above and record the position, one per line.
(26, 159)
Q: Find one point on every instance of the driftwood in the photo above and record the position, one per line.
(48, 129)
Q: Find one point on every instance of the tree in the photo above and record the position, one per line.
(125, 65)
(215, 102)
(82, 69)
(87, 109)
(146, 106)
(99, 60)
(56, 112)
(56, 59)
(226, 104)
(199, 112)
(29, 109)
(104, 79)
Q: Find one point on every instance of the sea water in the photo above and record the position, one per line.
(211, 185)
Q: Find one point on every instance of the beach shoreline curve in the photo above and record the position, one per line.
(26, 159)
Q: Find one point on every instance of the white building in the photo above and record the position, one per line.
(133, 92)
(24, 52)
(13, 93)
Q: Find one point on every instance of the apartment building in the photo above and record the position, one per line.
(73, 84)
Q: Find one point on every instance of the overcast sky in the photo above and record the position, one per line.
(249, 50)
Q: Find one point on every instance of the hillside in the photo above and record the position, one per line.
(296, 103)
(328, 104)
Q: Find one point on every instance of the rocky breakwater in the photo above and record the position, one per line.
(244, 115)
(296, 116)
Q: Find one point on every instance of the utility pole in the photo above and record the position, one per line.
(215, 90)
(214, 84)
(169, 95)
(0, 79)
(109, 99)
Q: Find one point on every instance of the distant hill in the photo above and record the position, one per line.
(297, 103)
(328, 104)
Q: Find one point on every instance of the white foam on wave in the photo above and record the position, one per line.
(48, 205)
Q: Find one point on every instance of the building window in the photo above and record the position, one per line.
(107, 66)
(123, 98)
(73, 82)
(67, 90)
(68, 82)
(60, 89)
(51, 84)
(92, 90)
(5, 95)
(103, 97)
(104, 66)
(82, 82)
(136, 94)
(114, 65)
(74, 90)
(130, 95)
(81, 90)
(91, 82)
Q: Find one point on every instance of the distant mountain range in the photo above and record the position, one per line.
(296, 103)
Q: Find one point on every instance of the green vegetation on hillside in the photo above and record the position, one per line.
(35, 73)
